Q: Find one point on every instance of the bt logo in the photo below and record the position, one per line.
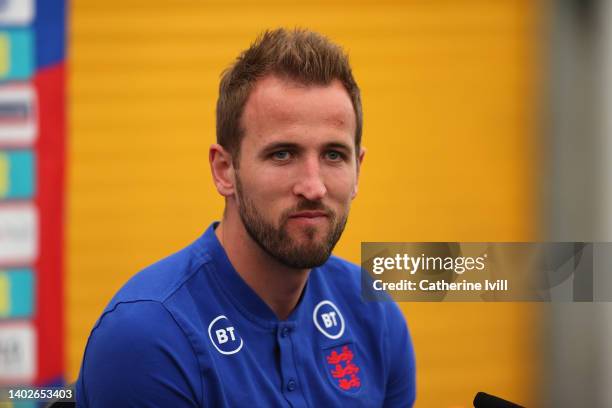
(223, 336)
(328, 319)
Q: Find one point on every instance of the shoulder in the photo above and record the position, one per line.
(134, 326)
(134, 347)
(135, 320)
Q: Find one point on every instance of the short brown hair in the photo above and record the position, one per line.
(301, 55)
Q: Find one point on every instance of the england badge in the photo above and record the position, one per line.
(343, 368)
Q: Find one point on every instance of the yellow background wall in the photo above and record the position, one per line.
(449, 101)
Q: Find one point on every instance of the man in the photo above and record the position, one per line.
(256, 312)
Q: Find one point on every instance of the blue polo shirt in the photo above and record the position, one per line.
(189, 332)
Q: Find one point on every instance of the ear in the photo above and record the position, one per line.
(362, 151)
(222, 169)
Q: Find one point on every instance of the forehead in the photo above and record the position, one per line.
(278, 105)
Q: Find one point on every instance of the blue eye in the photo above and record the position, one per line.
(334, 155)
(281, 155)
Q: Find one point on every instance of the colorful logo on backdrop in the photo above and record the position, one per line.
(16, 12)
(32, 59)
(18, 234)
(18, 115)
(17, 353)
(342, 367)
(16, 293)
(17, 174)
(16, 54)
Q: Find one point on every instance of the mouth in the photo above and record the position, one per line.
(309, 214)
(309, 218)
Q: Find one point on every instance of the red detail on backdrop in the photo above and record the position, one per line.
(50, 151)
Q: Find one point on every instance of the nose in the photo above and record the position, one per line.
(309, 183)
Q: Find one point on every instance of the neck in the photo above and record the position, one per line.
(279, 286)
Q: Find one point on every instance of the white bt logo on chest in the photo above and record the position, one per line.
(328, 319)
(224, 336)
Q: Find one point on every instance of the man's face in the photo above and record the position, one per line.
(297, 169)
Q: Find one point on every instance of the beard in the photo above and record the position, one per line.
(279, 244)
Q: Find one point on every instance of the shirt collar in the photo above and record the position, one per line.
(241, 294)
